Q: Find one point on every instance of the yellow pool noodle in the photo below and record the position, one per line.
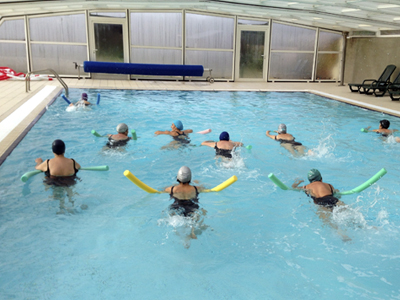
(223, 185)
(140, 184)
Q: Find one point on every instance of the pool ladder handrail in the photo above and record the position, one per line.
(28, 80)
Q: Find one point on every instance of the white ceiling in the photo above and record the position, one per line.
(350, 15)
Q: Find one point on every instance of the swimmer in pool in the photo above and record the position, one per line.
(288, 141)
(60, 174)
(185, 198)
(179, 135)
(59, 166)
(83, 101)
(119, 139)
(224, 147)
(323, 195)
(383, 129)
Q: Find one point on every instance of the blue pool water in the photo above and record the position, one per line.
(112, 240)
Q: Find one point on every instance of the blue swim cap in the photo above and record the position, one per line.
(224, 136)
(178, 124)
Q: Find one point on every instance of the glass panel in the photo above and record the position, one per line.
(68, 28)
(252, 22)
(287, 37)
(58, 57)
(252, 54)
(156, 56)
(156, 29)
(209, 32)
(330, 41)
(219, 61)
(328, 67)
(108, 14)
(13, 56)
(12, 30)
(109, 42)
(291, 66)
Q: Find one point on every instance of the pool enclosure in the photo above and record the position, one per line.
(234, 47)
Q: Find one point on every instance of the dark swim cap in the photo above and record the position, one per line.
(58, 147)
(84, 96)
(224, 136)
(385, 124)
(314, 175)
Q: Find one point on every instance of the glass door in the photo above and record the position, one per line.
(109, 43)
(252, 55)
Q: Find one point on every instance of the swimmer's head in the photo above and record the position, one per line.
(84, 96)
(58, 147)
(178, 124)
(384, 123)
(314, 175)
(282, 128)
(184, 175)
(122, 128)
(224, 136)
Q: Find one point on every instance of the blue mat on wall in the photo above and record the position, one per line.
(142, 69)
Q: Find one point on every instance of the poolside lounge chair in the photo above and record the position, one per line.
(373, 84)
(394, 86)
(394, 89)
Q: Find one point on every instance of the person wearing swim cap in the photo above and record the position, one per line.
(322, 193)
(119, 139)
(83, 101)
(179, 135)
(58, 167)
(224, 147)
(185, 196)
(383, 129)
(287, 141)
(176, 131)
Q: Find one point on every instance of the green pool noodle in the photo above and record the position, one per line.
(27, 175)
(94, 132)
(134, 137)
(248, 147)
(95, 168)
(358, 189)
(364, 130)
(279, 183)
(366, 184)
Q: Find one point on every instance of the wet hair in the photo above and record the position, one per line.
(224, 136)
(385, 124)
(58, 147)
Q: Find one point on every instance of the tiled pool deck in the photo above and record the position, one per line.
(19, 110)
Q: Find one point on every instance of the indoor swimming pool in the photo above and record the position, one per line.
(107, 239)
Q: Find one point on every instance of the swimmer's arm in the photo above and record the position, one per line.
(40, 164)
(296, 186)
(168, 189)
(270, 135)
(208, 143)
(394, 130)
(162, 132)
(188, 131)
(78, 166)
(237, 144)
